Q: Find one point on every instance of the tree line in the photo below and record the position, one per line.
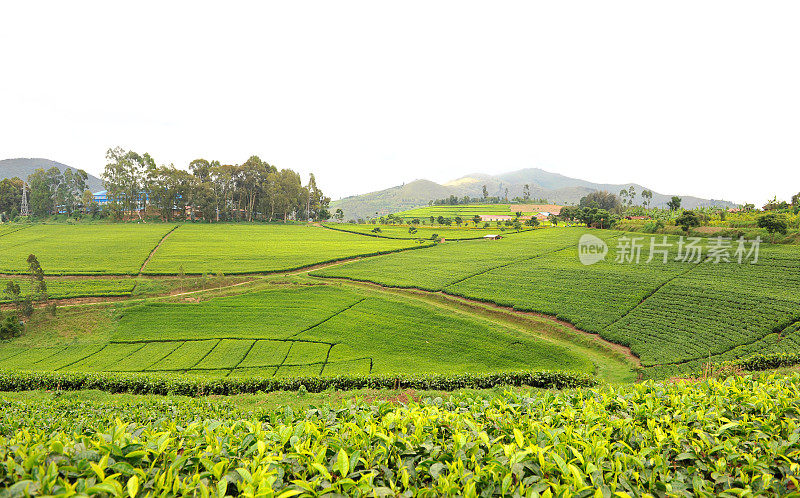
(253, 190)
(136, 186)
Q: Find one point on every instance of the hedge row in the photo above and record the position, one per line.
(765, 361)
(199, 386)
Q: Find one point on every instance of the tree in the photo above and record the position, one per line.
(675, 203)
(476, 219)
(339, 215)
(458, 220)
(124, 179)
(533, 222)
(601, 199)
(647, 197)
(687, 220)
(23, 304)
(10, 195)
(774, 204)
(623, 194)
(485, 193)
(13, 292)
(796, 200)
(526, 191)
(773, 224)
(38, 284)
(41, 193)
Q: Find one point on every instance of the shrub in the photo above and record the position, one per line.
(200, 386)
(10, 327)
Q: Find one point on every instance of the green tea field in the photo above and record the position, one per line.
(254, 248)
(114, 249)
(294, 330)
(710, 438)
(81, 250)
(672, 315)
(287, 316)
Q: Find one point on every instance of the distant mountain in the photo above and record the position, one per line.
(556, 188)
(22, 167)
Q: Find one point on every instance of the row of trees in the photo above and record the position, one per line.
(253, 190)
(487, 199)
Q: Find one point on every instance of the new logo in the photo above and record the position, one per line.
(591, 249)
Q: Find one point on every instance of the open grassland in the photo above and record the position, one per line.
(733, 438)
(260, 248)
(424, 232)
(284, 330)
(113, 249)
(672, 315)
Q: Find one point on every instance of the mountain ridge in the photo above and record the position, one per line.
(555, 187)
(21, 167)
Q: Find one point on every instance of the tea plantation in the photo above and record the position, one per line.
(740, 437)
(673, 315)
(287, 330)
(257, 248)
(287, 347)
(123, 249)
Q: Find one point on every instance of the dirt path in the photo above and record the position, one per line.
(149, 256)
(80, 301)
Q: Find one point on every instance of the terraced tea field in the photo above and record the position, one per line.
(447, 264)
(670, 313)
(291, 330)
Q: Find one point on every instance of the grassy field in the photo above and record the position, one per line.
(283, 330)
(81, 249)
(260, 248)
(673, 316)
(709, 438)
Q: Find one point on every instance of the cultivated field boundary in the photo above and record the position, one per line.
(153, 251)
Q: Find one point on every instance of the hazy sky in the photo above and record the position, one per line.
(692, 97)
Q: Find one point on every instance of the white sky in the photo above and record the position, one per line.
(691, 97)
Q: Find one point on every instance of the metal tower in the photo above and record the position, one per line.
(25, 210)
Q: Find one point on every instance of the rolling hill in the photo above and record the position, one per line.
(22, 167)
(556, 188)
